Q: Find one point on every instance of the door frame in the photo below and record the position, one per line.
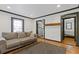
(67, 16)
(37, 26)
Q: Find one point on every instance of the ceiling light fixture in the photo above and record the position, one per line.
(8, 7)
(58, 6)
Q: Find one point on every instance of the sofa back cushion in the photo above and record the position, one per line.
(28, 33)
(11, 35)
(21, 35)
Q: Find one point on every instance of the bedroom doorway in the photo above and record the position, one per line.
(69, 30)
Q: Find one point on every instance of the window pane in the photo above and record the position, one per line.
(17, 25)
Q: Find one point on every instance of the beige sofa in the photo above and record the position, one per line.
(10, 41)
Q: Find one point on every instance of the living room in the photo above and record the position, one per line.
(24, 29)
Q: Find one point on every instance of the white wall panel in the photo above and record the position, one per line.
(5, 22)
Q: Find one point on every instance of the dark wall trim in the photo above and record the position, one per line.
(77, 25)
(40, 16)
(57, 12)
(15, 14)
(17, 19)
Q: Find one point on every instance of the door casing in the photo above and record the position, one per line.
(37, 26)
(67, 16)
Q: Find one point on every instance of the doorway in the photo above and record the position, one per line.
(69, 29)
(40, 28)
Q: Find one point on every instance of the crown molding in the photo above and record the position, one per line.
(15, 14)
(57, 12)
(39, 16)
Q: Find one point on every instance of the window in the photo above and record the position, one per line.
(17, 25)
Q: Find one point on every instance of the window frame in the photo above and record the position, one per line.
(12, 18)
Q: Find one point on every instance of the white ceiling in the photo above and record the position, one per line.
(35, 10)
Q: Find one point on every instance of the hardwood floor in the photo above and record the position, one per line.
(69, 41)
(70, 49)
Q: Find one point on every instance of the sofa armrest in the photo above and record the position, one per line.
(33, 36)
(2, 40)
(2, 45)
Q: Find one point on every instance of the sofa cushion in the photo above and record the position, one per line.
(24, 40)
(11, 35)
(27, 40)
(21, 35)
(13, 43)
(28, 33)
